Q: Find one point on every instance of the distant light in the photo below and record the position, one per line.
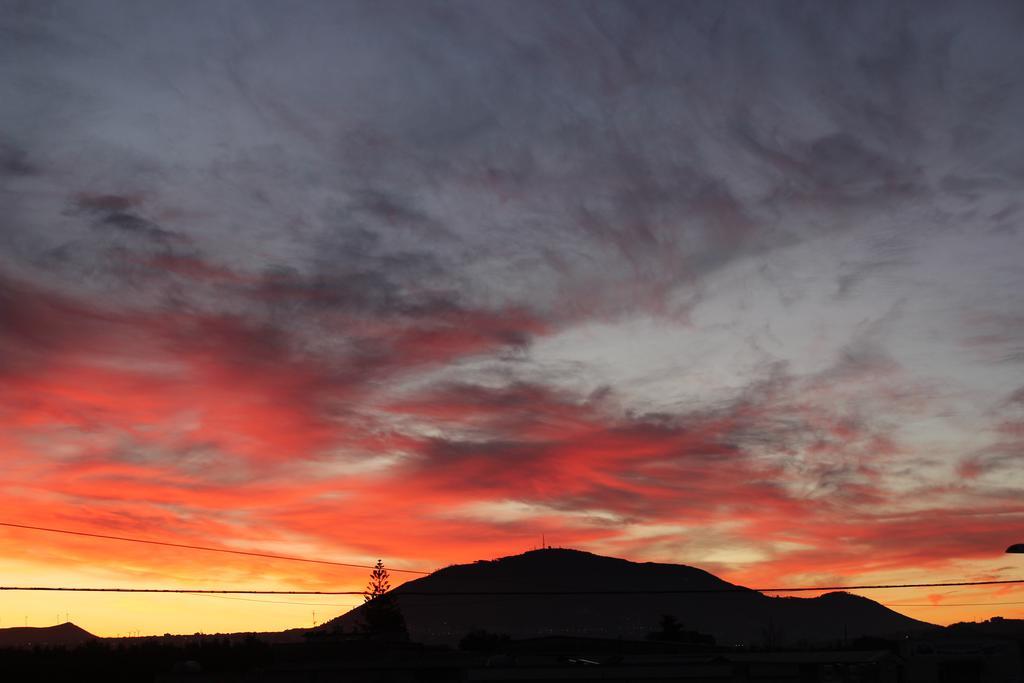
(1016, 548)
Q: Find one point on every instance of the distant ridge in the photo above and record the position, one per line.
(738, 616)
(66, 634)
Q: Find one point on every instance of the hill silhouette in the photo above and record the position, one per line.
(66, 634)
(734, 617)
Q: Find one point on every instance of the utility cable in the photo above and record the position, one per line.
(207, 548)
(950, 604)
(420, 593)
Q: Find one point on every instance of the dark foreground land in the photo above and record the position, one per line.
(952, 657)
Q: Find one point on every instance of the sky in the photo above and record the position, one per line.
(738, 285)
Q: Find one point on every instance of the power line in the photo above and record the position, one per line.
(950, 604)
(887, 585)
(193, 591)
(207, 548)
(419, 593)
(887, 604)
(738, 589)
(276, 602)
(335, 604)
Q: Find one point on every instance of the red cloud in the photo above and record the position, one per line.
(192, 427)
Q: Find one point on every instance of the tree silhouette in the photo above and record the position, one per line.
(380, 582)
(671, 630)
(382, 618)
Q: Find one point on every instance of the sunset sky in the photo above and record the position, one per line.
(738, 285)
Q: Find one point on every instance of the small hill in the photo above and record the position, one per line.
(996, 627)
(526, 596)
(66, 634)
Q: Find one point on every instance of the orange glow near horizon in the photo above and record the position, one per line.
(94, 563)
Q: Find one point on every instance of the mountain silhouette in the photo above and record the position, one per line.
(733, 614)
(66, 634)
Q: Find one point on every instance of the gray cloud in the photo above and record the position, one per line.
(592, 148)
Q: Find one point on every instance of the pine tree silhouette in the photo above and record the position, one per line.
(380, 582)
(382, 618)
